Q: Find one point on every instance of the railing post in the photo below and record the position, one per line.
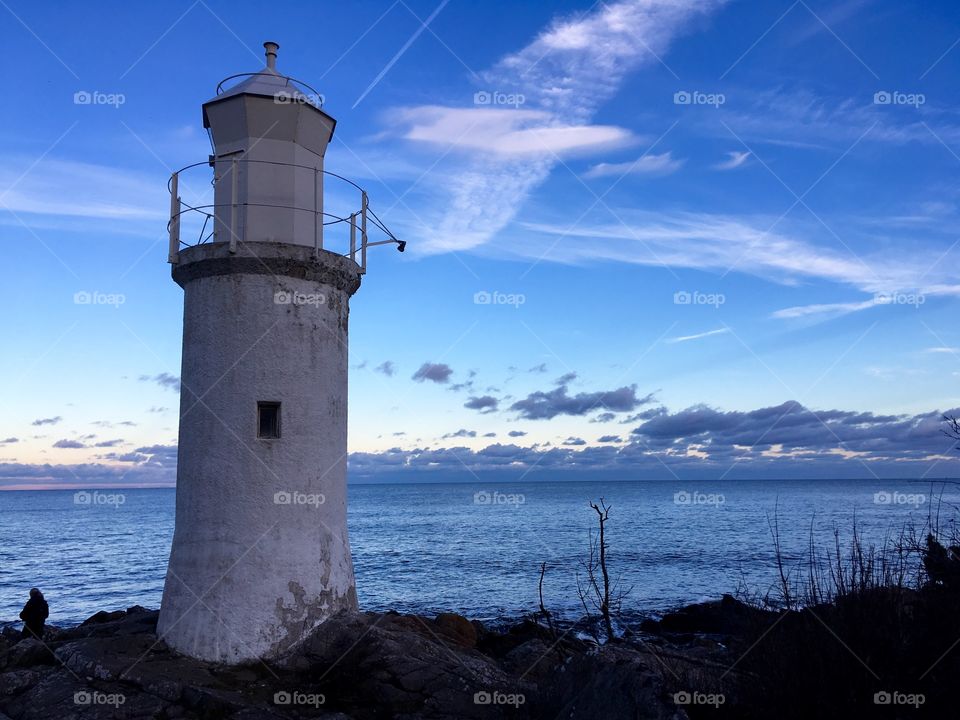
(363, 232)
(316, 217)
(353, 236)
(234, 184)
(173, 254)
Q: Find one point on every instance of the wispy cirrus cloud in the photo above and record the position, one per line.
(564, 74)
(78, 189)
(831, 309)
(734, 160)
(805, 119)
(698, 336)
(662, 164)
(754, 245)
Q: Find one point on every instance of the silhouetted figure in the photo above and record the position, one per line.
(34, 615)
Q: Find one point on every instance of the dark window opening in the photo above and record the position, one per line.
(268, 419)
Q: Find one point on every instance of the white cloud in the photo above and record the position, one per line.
(565, 73)
(702, 241)
(506, 132)
(722, 243)
(78, 189)
(804, 119)
(688, 338)
(833, 309)
(662, 164)
(734, 160)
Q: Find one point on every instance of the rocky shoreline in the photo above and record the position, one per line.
(368, 665)
(881, 652)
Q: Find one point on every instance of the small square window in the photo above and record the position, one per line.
(268, 419)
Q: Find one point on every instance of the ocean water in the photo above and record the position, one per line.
(475, 549)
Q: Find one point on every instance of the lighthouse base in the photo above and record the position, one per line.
(260, 552)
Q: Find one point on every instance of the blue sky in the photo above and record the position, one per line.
(719, 238)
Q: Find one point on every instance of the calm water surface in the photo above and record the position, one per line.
(430, 547)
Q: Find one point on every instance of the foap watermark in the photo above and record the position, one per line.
(482, 497)
(698, 698)
(696, 97)
(899, 698)
(98, 499)
(294, 297)
(294, 497)
(85, 297)
(685, 297)
(684, 497)
(484, 297)
(900, 298)
(285, 97)
(495, 697)
(898, 498)
(495, 97)
(895, 97)
(295, 697)
(95, 697)
(95, 97)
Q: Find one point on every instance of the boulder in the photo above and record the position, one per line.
(16, 681)
(102, 617)
(28, 653)
(611, 682)
(457, 628)
(727, 616)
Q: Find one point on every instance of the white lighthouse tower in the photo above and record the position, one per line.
(260, 553)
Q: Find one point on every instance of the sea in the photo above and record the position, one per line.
(477, 549)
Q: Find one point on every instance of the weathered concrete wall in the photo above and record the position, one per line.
(260, 552)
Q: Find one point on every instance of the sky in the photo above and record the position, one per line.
(646, 238)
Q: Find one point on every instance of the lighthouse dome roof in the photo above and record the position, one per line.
(269, 83)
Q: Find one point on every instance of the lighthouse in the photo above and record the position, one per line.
(260, 553)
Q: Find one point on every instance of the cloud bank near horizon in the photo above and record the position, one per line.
(700, 442)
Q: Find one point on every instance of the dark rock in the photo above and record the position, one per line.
(28, 653)
(612, 682)
(102, 617)
(727, 616)
(500, 644)
(52, 696)
(534, 659)
(213, 702)
(17, 681)
(134, 621)
(356, 666)
(397, 662)
(457, 628)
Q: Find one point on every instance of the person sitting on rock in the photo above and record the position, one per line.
(34, 614)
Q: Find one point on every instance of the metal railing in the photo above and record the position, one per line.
(357, 220)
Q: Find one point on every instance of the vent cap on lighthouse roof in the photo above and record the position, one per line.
(267, 104)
